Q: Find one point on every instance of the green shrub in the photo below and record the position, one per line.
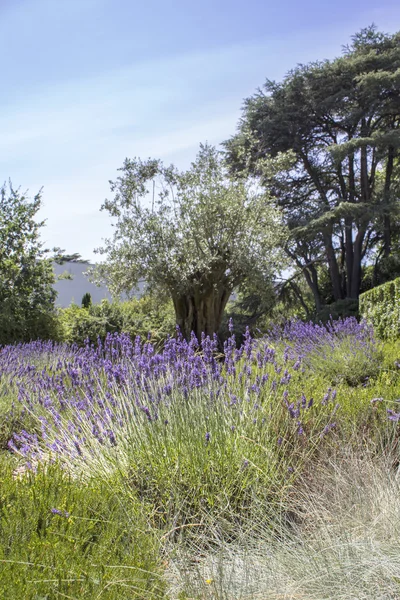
(381, 307)
(345, 361)
(338, 310)
(16, 325)
(149, 315)
(80, 323)
(62, 539)
(143, 316)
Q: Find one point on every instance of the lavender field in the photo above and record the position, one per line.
(192, 472)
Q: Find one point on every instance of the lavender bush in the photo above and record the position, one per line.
(181, 425)
(344, 350)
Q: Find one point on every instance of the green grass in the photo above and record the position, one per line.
(100, 546)
(342, 541)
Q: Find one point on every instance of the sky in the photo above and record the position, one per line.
(88, 83)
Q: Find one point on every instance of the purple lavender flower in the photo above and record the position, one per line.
(78, 448)
(111, 437)
(327, 429)
(98, 390)
(61, 513)
(326, 398)
(392, 416)
(376, 400)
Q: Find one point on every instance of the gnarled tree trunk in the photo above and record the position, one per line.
(201, 311)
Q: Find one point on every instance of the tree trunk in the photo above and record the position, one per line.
(201, 312)
(299, 296)
(354, 292)
(315, 288)
(311, 276)
(333, 267)
(364, 179)
(387, 234)
(349, 253)
(312, 283)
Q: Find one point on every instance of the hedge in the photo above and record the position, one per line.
(381, 307)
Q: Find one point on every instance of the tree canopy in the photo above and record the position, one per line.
(339, 122)
(26, 276)
(61, 257)
(195, 235)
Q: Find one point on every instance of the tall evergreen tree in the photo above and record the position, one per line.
(339, 120)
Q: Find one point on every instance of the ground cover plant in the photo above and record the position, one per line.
(342, 542)
(176, 451)
(59, 539)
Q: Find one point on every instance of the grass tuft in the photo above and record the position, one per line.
(337, 539)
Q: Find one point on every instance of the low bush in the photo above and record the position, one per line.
(147, 316)
(338, 310)
(342, 351)
(60, 538)
(181, 426)
(381, 308)
(94, 322)
(338, 539)
(19, 325)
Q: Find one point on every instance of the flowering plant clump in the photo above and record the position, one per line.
(186, 418)
(344, 350)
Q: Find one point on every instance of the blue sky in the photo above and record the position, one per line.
(86, 83)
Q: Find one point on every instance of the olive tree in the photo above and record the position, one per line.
(195, 235)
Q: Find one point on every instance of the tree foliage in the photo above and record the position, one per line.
(86, 301)
(339, 121)
(60, 257)
(195, 235)
(26, 276)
